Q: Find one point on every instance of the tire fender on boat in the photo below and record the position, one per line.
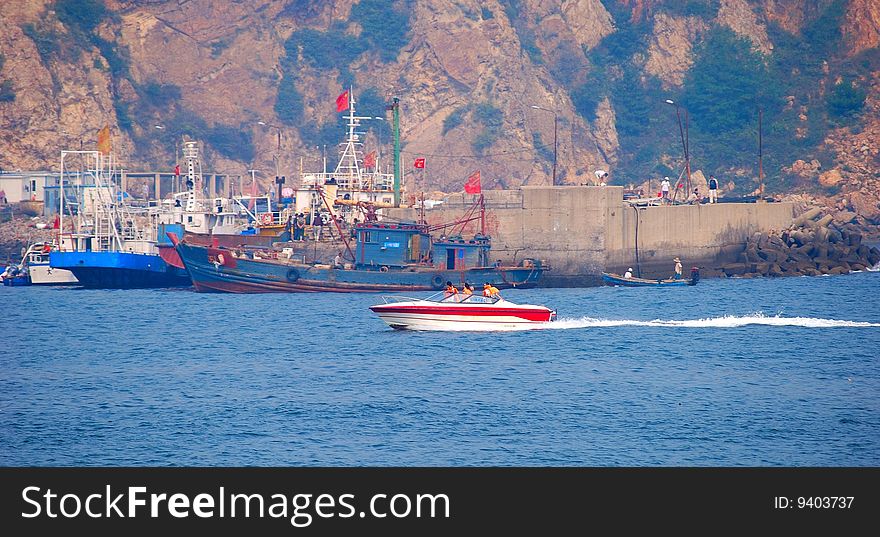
(292, 275)
(384, 268)
(437, 281)
(221, 259)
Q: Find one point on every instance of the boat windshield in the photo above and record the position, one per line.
(461, 298)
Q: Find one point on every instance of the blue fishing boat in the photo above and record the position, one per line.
(105, 241)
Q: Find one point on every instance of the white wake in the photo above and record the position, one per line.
(727, 321)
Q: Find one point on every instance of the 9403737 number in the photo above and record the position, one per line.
(813, 502)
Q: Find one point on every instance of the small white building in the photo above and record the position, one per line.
(26, 186)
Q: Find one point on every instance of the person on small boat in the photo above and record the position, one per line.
(629, 273)
(468, 289)
(491, 291)
(450, 289)
(677, 275)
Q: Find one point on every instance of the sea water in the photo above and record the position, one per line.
(761, 372)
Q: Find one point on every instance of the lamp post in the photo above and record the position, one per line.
(685, 140)
(761, 153)
(555, 130)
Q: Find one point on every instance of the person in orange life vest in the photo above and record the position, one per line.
(468, 289)
(491, 291)
(450, 289)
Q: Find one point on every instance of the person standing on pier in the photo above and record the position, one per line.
(713, 189)
(664, 189)
(318, 225)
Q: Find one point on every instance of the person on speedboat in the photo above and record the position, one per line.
(491, 291)
(468, 289)
(450, 289)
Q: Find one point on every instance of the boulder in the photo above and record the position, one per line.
(807, 216)
(789, 267)
(768, 255)
(854, 239)
(819, 251)
(752, 255)
(776, 242)
(825, 220)
(844, 217)
(853, 259)
(838, 270)
(734, 269)
(831, 178)
(806, 267)
(865, 205)
(801, 237)
(834, 236)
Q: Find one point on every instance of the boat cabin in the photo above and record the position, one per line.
(397, 245)
(391, 245)
(455, 253)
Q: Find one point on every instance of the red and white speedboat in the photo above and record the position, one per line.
(461, 312)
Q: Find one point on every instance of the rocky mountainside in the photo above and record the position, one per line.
(255, 81)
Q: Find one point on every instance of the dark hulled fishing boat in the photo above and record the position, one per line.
(387, 257)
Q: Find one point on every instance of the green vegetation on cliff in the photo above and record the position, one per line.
(728, 83)
(383, 32)
(7, 92)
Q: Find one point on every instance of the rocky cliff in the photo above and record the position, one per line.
(255, 81)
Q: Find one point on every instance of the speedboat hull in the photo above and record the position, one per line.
(427, 315)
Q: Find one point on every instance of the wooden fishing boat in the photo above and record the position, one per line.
(616, 279)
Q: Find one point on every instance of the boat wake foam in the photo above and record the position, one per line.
(727, 321)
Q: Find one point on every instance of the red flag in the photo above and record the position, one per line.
(472, 185)
(419, 163)
(342, 101)
(177, 170)
(104, 140)
(370, 160)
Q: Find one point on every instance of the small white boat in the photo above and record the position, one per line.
(36, 261)
(444, 311)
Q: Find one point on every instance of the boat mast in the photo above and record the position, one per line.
(482, 216)
(348, 159)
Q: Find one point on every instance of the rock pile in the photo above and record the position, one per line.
(17, 232)
(813, 245)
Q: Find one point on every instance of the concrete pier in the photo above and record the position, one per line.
(582, 231)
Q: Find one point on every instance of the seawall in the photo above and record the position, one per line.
(582, 231)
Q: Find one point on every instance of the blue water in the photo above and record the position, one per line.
(764, 372)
